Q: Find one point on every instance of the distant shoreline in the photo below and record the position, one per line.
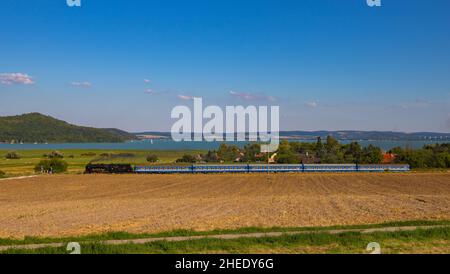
(168, 144)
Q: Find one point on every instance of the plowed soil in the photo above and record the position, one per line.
(76, 205)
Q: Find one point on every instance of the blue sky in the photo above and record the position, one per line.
(328, 64)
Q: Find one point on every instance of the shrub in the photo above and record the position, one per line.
(186, 159)
(12, 155)
(117, 155)
(54, 165)
(56, 154)
(152, 158)
(2, 174)
(89, 154)
(124, 155)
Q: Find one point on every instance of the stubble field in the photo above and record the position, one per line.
(74, 205)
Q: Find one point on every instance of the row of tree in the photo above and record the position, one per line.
(430, 156)
(329, 151)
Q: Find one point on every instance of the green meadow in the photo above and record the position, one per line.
(78, 159)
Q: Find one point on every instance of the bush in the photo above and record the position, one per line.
(152, 158)
(12, 155)
(2, 174)
(117, 155)
(54, 165)
(56, 154)
(187, 159)
(89, 154)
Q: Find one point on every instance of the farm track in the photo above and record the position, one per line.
(74, 205)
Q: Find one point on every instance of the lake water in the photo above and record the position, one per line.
(171, 145)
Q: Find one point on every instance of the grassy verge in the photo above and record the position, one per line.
(175, 233)
(436, 240)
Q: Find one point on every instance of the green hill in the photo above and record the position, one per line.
(35, 127)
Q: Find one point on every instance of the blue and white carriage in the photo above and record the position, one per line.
(269, 168)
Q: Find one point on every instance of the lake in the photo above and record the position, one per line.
(172, 145)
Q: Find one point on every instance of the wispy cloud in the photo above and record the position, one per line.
(16, 78)
(252, 96)
(147, 81)
(185, 97)
(312, 104)
(81, 84)
(150, 91)
(418, 103)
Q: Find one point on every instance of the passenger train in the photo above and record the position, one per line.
(270, 168)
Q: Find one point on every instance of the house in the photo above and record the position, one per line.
(389, 158)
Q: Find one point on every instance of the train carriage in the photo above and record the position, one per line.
(257, 168)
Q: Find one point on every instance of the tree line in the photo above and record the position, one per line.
(329, 151)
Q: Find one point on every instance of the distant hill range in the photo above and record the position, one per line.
(367, 135)
(36, 127)
(340, 135)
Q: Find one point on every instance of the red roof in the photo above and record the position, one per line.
(388, 158)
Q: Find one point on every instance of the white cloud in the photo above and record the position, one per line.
(416, 104)
(252, 96)
(312, 104)
(185, 97)
(16, 78)
(81, 84)
(147, 81)
(150, 91)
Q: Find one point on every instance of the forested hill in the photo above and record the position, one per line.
(36, 127)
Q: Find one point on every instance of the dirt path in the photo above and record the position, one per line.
(225, 236)
(75, 205)
(18, 178)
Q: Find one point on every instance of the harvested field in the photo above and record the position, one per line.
(66, 205)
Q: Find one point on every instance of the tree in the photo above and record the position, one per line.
(371, 155)
(250, 152)
(12, 155)
(152, 158)
(331, 152)
(54, 165)
(228, 153)
(211, 157)
(332, 145)
(320, 151)
(352, 152)
(285, 155)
